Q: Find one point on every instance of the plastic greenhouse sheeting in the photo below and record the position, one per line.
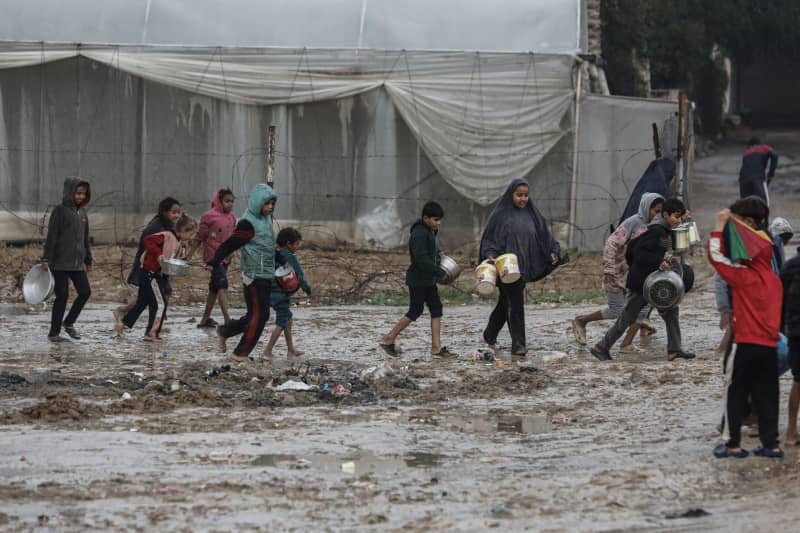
(481, 118)
(546, 26)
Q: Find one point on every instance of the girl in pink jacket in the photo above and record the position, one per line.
(216, 225)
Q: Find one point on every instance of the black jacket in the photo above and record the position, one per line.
(424, 251)
(67, 245)
(645, 254)
(790, 276)
(756, 161)
(137, 275)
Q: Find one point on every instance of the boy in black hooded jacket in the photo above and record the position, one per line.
(646, 254)
(68, 255)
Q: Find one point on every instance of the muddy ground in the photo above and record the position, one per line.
(118, 434)
(121, 434)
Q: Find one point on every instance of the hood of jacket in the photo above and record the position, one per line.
(216, 202)
(260, 194)
(68, 197)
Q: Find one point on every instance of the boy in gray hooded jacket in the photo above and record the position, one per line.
(68, 255)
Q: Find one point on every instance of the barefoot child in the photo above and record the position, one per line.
(646, 254)
(288, 241)
(615, 271)
(68, 255)
(254, 235)
(216, 225)
(756, 291)
(790, 276)
(152, 288)
(421, 279)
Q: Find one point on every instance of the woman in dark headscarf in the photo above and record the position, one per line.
(655, 179)
(516, 226)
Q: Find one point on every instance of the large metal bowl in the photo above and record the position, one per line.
(37, 285)
(663, 289)
(450, 270)
(175, 267)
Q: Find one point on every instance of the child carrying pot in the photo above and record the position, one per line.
(288, 242)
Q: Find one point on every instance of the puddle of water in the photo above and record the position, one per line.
(350, 464)
(489, 423)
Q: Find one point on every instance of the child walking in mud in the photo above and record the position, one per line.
(254, 235)
(68, 255)
(756, 291)
(288, 241)
(168, 212)
(152, 288)
(421, 278)
(216, 225)
(646, 254)
(615, 273)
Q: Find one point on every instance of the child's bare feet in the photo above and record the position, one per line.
(239, 358)
(792, 439)
(221, 347)
(647, 328)
(150, 338)
(294, 353)
(267, 354)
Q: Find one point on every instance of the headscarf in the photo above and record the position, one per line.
(634, 223)
(523, 232)
(655, 179)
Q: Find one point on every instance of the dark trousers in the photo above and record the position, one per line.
(752, 371)
(418, 297)
(754, 187)
(81, 282)
(152, 296)
(251, 325)
(634, 303)
(510, 309)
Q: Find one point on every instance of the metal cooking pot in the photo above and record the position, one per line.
(694, 233)
(450, 270)
(38, 285)
(175, 267)
(680, 239)
(663, 289)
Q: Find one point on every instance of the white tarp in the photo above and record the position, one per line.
(482, 118)
(546, 26)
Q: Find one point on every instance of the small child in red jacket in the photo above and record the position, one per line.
(752, 369)
(157, 246)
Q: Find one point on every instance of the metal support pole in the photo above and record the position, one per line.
(680, 156)
(271, 155)
(573, 189)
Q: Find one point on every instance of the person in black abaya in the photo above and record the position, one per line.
(656, 178)
(516, 226)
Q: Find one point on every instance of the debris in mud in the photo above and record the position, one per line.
(126, 396)
(55, 409)
(217, 370)
(695, 512)
(375, 373)
(500, 510)
(405, 383)
(7, 379)
(292, 385)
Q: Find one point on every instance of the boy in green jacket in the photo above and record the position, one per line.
(421, 279)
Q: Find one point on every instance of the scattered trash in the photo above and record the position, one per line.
(499, 362)
(217, 370)
(175, 386)
(349, 467)
(405, 383)
(139, 375)
(127, 396)
(341, 390)
(482, 355)
(499, 510)
(302, 463)
(111, 381)
(527, 366)
(295, 385)
(377, 372)
(164, 354)
(696, 512)
(7, 378)
(551, 355)
(133, 430)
